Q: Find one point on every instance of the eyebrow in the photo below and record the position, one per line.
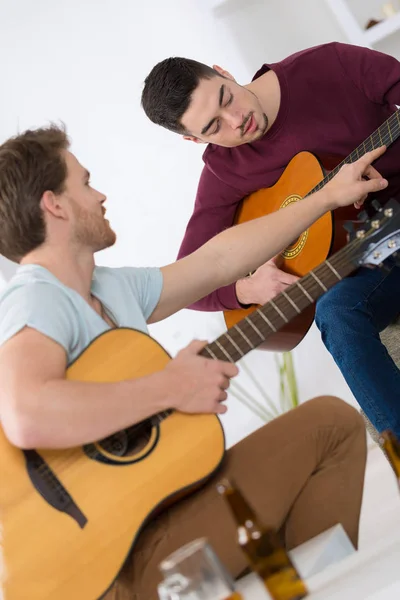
(221, 97)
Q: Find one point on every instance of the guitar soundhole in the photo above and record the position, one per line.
(129, 441)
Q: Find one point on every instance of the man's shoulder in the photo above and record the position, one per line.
(26, 282)
(105, 275)
(32, 286)
(317, 55)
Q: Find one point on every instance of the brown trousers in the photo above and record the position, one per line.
(302, 472)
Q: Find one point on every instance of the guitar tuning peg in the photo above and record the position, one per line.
(376, 205)
(362, 216)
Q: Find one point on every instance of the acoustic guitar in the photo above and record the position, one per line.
(303, 176)
(69, 518)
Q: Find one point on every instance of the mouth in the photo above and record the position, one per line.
(251, 125)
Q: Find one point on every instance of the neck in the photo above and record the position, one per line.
(73, 267)
(268, 92)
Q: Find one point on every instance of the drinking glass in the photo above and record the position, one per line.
(194, 572)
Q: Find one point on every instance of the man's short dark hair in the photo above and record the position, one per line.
(168, 90)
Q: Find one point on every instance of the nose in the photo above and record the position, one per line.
(234, 119)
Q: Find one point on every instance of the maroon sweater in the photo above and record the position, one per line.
(332, 97)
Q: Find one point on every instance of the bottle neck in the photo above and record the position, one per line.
(242, 511)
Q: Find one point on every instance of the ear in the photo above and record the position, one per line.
(52, 204)
(223, 73)
(192, 138)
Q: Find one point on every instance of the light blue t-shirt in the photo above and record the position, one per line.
(36, 298)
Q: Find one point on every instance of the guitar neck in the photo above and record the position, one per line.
(385, 135)
(254, 329)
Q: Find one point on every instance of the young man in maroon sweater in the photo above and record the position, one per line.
(325, 100)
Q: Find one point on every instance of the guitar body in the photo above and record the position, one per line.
(322, 238)
(48, 554)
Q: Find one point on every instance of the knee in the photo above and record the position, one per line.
(336, 319)
(337, 310)
(329, 311)
(331, 410)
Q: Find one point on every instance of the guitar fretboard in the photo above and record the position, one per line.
(386, 134)
(254, 329)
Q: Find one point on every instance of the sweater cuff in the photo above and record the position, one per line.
(227, 297)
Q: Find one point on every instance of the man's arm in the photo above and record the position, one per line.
(39, 407)
(215, 208)
(36, 400)
(243, 248)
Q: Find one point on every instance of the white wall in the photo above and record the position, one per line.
(278, 28)
(84, 61)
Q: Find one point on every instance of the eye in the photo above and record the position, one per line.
(216, 130)
(229, 101)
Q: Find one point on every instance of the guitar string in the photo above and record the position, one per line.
(375, 140)
(342, 260)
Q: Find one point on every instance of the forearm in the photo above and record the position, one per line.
(235, 252)
(64, 413)
(222, 299)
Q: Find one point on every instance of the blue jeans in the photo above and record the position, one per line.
(350, 317)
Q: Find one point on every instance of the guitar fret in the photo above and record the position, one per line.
(210, 352)
(311, 299)
(266, 319)
(333, 270)
(234, 344)
(244, 336)
(279, 311)
(386, 134)
(228, 356)
(296, 308)
(255, 328)
(318, 281)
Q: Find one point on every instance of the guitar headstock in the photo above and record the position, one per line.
(379, 237)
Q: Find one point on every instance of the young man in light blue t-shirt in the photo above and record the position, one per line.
(52, 222)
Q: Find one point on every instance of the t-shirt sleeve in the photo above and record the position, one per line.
(42, 307)
(376, 74)
(146, 285)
